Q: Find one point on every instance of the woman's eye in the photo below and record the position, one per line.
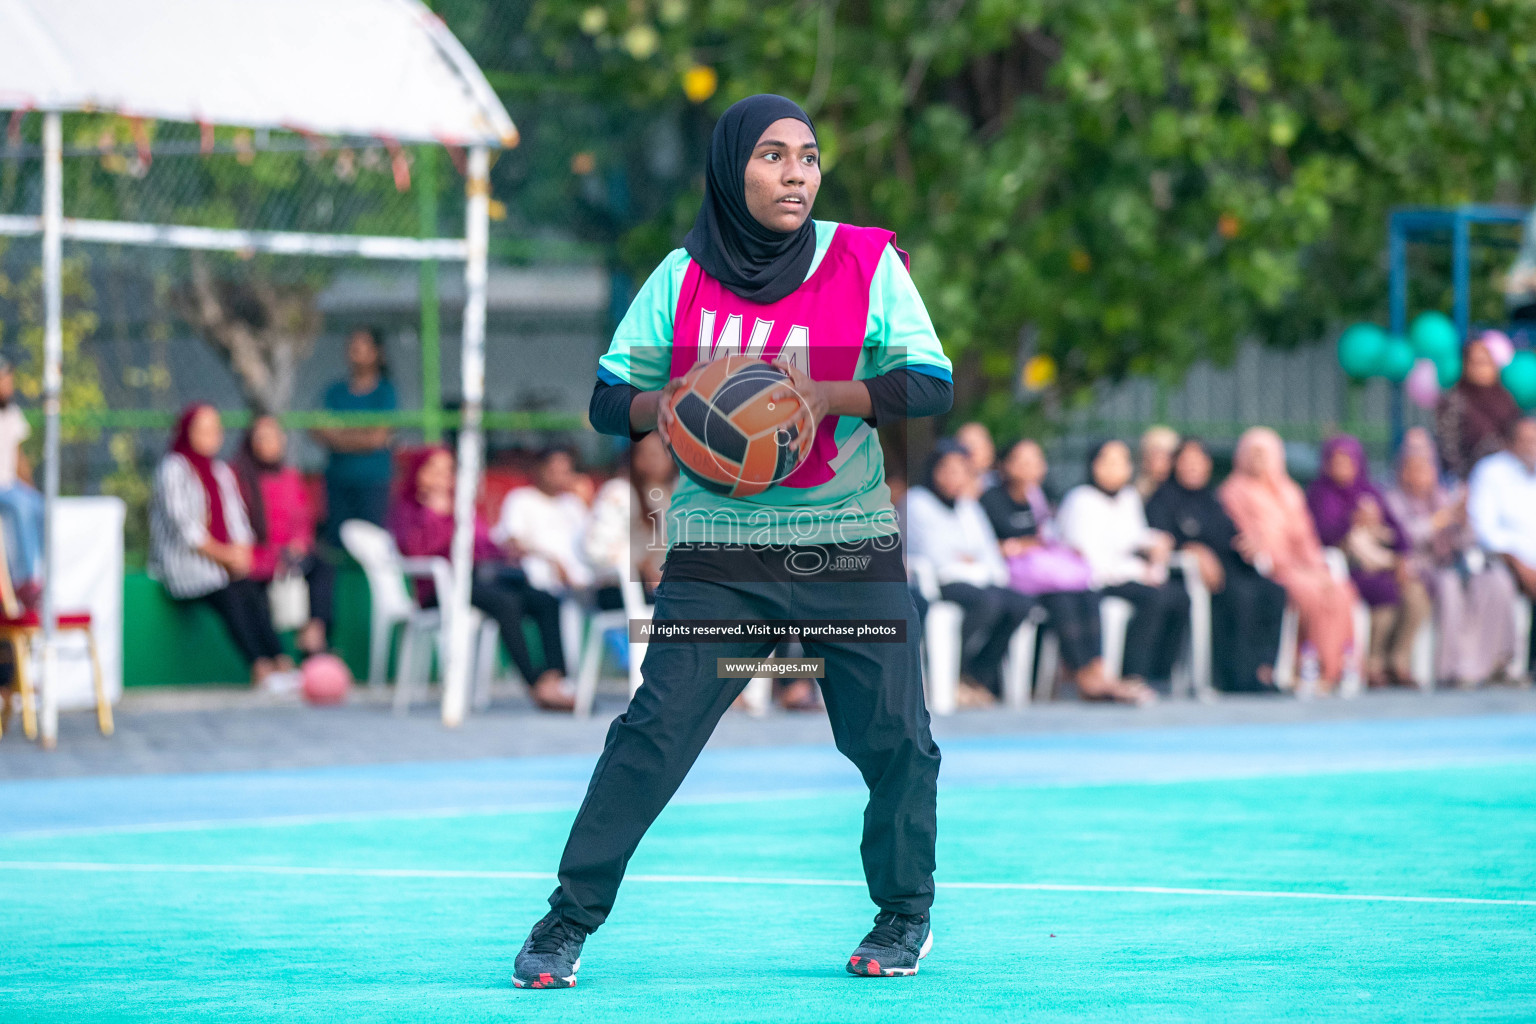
(771, 156)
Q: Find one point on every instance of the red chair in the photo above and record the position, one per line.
(18, 627)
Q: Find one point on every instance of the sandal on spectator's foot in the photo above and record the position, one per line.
(550, 694)
(1123, 691)
(973, 695)
(800, 695)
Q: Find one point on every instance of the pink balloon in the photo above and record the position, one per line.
(1423, 384)
(1499, 347)
(326, 679)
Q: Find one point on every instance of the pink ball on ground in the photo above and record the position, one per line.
(1423, 385)
(1499, 347)
(327, 679)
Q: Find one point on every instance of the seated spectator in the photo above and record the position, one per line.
(1473, 595)
(541, 526)
(283, 524)
(976, 439)
(947, 529)
(1351, 514)
(21, 507)
(1105, 522)
(1501, 503)
(200, 544)
(1155, 459)
(358, 472)
(626, 534)
(1276, 536)
(1246, 608)
(1041, 566)
(422, 523)
(1474, 418)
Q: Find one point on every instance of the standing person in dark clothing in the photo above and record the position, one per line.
(358, 473)
(1246, 608)
(834, 305)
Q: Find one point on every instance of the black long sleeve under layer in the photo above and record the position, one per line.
(901, 394)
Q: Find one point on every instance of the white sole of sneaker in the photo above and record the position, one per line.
(899, 972)
(567, 982)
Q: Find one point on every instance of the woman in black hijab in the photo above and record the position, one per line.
(1246, 608)
(757, 276)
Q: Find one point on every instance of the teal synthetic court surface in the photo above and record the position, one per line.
(1344, 871)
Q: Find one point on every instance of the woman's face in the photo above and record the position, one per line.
(1112, 468)
(952, 476)
(783, 176)
(268, 442)
(1192, 469)
(205, 432)
(1341, 468)
(1480, 369)
(362, 353)
(436, 474)
(649, 460)
(1026, 464)
(1417, 475)
(1156, 462)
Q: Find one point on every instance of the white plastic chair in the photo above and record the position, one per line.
(598, 623)
(392, 606)
(1287, 662)
(1114, 620)
(1520, 665)
(1198, 672)
(943, 638)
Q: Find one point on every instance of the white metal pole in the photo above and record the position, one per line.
(53, 378)
(472, 358)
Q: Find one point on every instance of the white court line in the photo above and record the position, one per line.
(1208, 774)
(448, 873)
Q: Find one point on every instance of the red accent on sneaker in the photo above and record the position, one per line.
(873, 967)
(855, 960)
(546, 979)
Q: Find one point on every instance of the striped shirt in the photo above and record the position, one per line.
(178, 526)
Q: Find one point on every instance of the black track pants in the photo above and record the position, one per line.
(874, 698)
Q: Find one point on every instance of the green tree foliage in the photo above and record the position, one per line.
(1144, 182)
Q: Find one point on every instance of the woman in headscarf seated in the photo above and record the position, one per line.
(1105, 522)
(1473, 418)
(200, 543)
(1040, 565)
(283, 524)
(1276, 536)
(1246, 608)
(1473, 594)
(1351, 514)
(422, 523)
(947, 529)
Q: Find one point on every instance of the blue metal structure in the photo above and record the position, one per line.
(1439, 225)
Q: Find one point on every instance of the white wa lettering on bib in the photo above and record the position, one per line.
(796, 348)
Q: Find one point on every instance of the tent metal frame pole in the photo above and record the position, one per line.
(431, 326)
(282, 243)
(456, 675)
(53, 382)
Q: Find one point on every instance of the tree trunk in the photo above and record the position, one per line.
(262, 328)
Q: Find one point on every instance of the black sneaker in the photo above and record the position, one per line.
(551, 955)
(893, 947)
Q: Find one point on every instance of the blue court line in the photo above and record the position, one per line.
(1138, 755)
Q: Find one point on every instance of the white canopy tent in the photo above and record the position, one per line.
(388, 69)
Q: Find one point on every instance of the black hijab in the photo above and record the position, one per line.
(941, 451)
(1093, 456)
(756, 263)
(1191, 515)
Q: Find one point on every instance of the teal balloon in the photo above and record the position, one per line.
(1448, 370)
(1361, 347)
(1520, 378)
(1396, 360)
(1434, 336)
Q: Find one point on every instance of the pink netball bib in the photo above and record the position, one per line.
(819, 325)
